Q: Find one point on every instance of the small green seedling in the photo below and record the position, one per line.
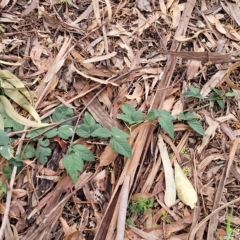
(138, 207)
(164, 218)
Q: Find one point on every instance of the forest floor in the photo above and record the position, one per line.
(119, 119)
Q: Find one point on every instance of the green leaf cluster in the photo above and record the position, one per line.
(73, 160)
(118, 138)
(190, 118)
(165, 120)
(130, 115)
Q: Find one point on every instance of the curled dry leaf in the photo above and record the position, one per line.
(170, 192)
(10, 111)
(185, 191)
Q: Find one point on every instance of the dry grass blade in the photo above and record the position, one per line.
(170, 191)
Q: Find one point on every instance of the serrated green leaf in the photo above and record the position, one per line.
(121, 146)
(167, 125)
(181, 116)
(28, 152)
(88, 119)
(7, 152)
(101, 132)
(153, 114)
(137, 116)
(190, 116)
(42, 154)
(117, 133)
(36, 132)
(166, 115)
(73, 163)
(4, 139)
(51, 133)
(62, 113)
(127, 109)
(221, 104)
(196, 126)
(83, 152)
(83, 131)
(65, 131)
(94, 128)
(125, 118)
(44, 143)
(10, 123)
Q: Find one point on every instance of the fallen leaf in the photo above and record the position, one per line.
(185, 191)
(170, 191)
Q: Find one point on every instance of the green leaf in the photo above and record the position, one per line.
(10, 123)
(42, 154)
(181, 116)
(51, 133)
(132, 118)
(167, 125)
(217, 92)
(93, 128)
(165, 114)
(190, 116)
(121, 146)
(65, 131)
(7, 151)
(37, 132)
(88, 119)
(83, 131)
(221, 104)
(28, 152)
(83, 152)
(62, 113)
(7, 171)
(125, 118)
(117, 133)
(127, 109)
(44, 143)
(101, 132)
(4, 139)
(193, 92)
(73, 163)
(230, 94)
(196, 126)
(153, 114)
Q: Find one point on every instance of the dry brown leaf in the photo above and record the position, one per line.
(213, 82)
(177, 109)
(96, 10)
(100, 58)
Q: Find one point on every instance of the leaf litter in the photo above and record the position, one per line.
(118, 61)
